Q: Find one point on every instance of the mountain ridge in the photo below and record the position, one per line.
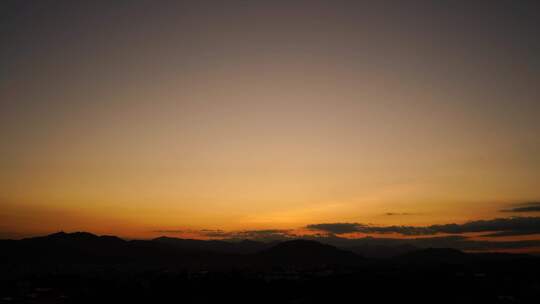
(85, 247)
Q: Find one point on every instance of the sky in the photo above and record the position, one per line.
(140, 118)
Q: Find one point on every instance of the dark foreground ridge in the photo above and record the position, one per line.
(85, 268)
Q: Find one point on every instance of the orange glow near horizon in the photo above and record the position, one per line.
(211, 117)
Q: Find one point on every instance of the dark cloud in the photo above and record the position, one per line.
(169, 231)
(340, 228)
(268, 234)
(336, 228)
(265, 234)
(510, 226)
(398, 213)
(405, 230)
(457, 239)
(510, 233)
(525, 225)
(524, 207)
(500, 227)
(218, 233)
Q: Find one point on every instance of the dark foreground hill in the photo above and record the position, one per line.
(190, 245)
(82, 248)
(305, 252)
(85, 268)
(435, 255)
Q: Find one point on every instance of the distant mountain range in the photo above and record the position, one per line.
(85, 268)
(241, 247)
(87, 248)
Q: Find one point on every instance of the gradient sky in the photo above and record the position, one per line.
(137, 116)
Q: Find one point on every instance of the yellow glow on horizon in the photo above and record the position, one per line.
(214, 122)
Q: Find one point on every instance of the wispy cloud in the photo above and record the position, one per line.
(266, 234)
(336, 228)
(340, 228)
(169, 231)
(524, 207)
(397, 213)
(499, 227)
(510, 226)
(263, 234)
(458, 234)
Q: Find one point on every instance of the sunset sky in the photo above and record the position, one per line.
(142, 118)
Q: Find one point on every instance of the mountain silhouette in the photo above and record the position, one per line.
(304, 252)
(383, 251)
(79, 238)
(88, 248)
(435, 255)
(240, 247)
(82, 267)
(84, 247)
(67, 247)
